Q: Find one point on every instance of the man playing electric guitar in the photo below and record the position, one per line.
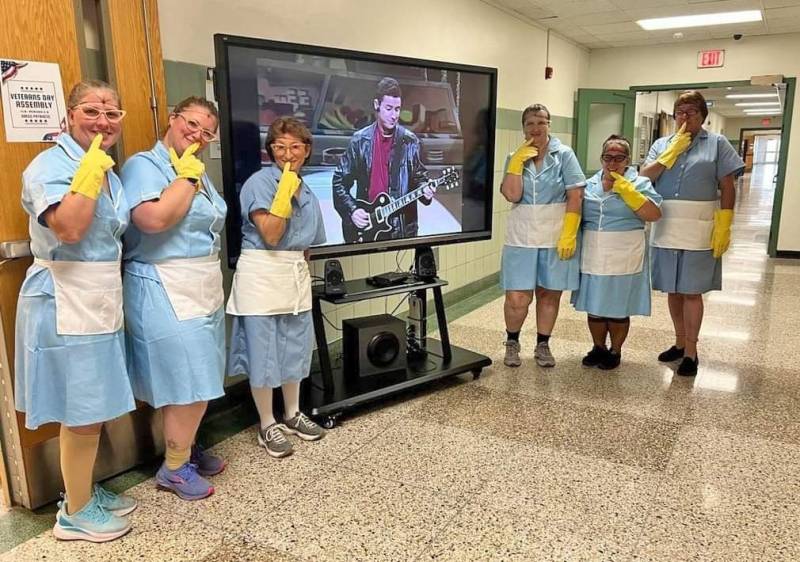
(383, 158)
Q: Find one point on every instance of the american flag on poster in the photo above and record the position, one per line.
(32, 95)
(9, 68)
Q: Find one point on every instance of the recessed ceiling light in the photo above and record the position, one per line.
(748, 96)
(700, 20)
(677, 35)
(756, 103)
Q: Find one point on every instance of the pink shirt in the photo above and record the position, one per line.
(381, 158)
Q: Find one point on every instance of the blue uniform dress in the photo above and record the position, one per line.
(614, 296)
(694, 177)
(276, 349)
(73, 379)
(524, 269)
(170, 361)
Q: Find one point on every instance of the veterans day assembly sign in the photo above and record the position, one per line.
(33, 101)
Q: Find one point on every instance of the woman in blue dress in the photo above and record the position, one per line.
(173, 291)
(272, 338)
(545, 183)
(70, 349)
(694, 171)
(615, 273)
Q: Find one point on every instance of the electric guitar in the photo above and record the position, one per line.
(384, 207)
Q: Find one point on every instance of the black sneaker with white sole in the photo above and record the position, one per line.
(272, 438)
(302, 426)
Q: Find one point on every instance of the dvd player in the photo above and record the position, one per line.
(390, 278)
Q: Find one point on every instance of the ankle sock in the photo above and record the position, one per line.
(512, 336)
(542, 338)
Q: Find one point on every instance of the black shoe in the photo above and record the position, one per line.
(672, 354)
(688, 367)
(595, 356)
(610, 361)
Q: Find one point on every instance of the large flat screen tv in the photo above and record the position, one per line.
(430, 124)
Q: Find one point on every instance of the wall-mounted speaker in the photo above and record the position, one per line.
(373, 345)
(424, 263)
(334, 278)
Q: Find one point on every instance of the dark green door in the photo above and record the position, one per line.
(599, 114)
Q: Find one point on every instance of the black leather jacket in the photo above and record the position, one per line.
(406, 173)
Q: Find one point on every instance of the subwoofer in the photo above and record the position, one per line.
(373, 345)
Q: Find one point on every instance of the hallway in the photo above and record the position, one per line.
(529, 464)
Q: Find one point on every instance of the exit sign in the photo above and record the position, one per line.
(711, 59)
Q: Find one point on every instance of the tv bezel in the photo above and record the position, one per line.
(222, 91)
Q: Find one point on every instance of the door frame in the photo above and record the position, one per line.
(584, 99)
(786, 127)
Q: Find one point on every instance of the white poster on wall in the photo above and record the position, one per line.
(33, 101)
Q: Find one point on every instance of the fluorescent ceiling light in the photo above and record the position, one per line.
(700, 20)
(756, 103)
(762, 112)
(748, 96)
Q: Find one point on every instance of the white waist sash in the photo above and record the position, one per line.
(612, 253)
(193, 285)
(535, 226)
(684, 225)
(88, 296)
(269, 282)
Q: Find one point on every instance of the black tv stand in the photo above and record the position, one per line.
(328, 392)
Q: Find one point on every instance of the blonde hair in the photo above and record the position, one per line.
(84, 87)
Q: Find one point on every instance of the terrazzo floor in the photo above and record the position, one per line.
(527, 464)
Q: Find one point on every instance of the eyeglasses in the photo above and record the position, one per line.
(618, 158)
(93, 113)
(296, 148)
(206, 134)
(687, 113)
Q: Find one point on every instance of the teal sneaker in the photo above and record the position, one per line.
(118, 504)
(93, 523)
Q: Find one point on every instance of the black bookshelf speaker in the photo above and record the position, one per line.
(334, 278)
(373, 345)
(424, 263)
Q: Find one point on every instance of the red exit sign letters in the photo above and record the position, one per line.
(711, 59)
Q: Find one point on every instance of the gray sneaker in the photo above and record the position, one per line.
(512, 354)
(304, 428)
(543, 356)
(272, 438)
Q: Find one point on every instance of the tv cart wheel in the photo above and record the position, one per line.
(329, 422)
(476, 374)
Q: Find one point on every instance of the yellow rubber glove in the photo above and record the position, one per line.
(568, 242)
(721, 235)
(88, 179)
(188, 166)
(627, 191)
(524, 153)
(677, 146)
(282, 204)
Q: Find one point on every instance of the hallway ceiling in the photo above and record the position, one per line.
(727, 107)
(599, 24)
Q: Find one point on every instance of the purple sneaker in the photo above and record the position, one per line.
(185, 482)
(207, 464)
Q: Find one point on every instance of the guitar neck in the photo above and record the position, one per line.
(407, 199)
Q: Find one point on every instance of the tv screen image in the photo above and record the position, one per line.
(402, 150)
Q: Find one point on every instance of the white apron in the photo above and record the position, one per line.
(269, 282)
(612, 253)
(88, 296)
(193, 285)
(535, 226)
(684, 225)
